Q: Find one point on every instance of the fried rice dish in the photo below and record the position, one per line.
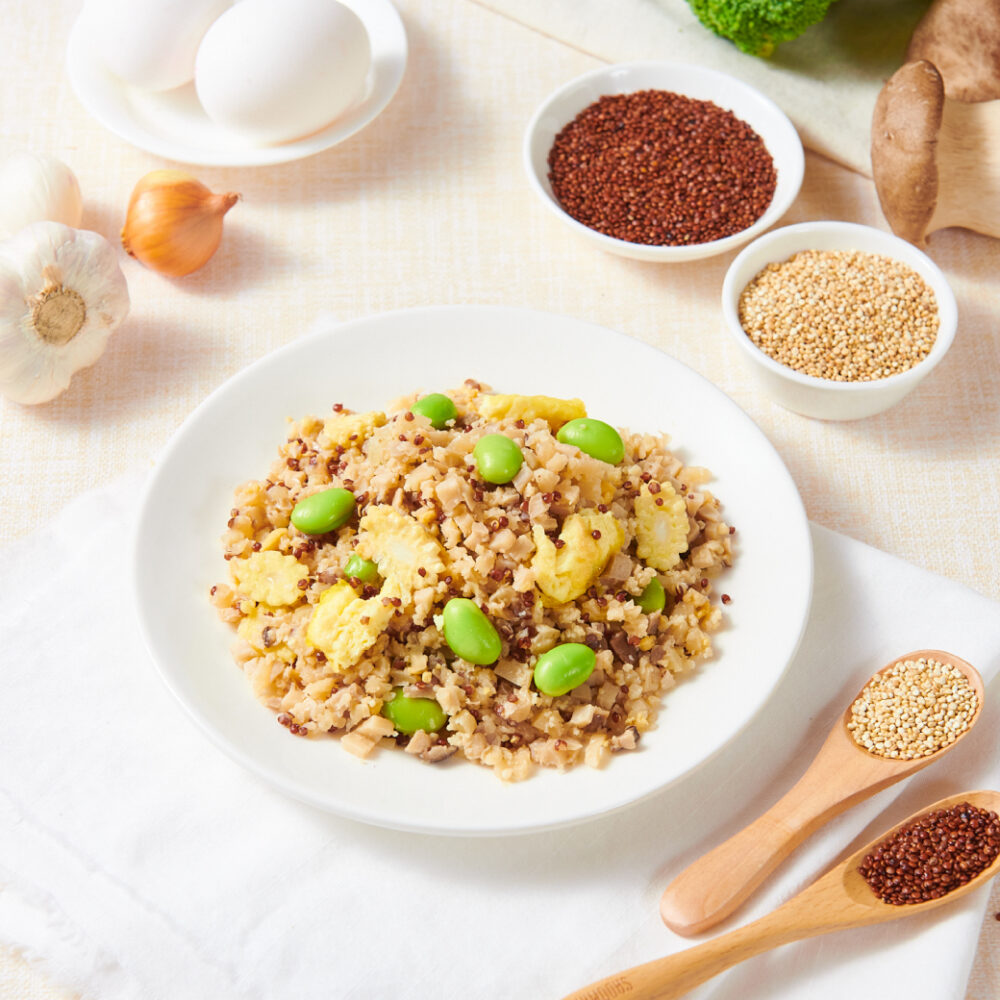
(503, 578)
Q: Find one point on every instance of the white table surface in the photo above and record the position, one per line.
(428, 205)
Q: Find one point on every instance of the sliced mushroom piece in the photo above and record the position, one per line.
(427, 748)
(618, 570)
(935, 161)
(438, 753)
(620, 644)
(628, 740)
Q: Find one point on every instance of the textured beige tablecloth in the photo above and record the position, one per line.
(428, 206)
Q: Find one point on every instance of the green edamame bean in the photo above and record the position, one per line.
(323, 512)
(564, 667)
(437, 408)
(498, 459)
(594, 438)
(364, 569)
(410, 714)
(653, 597)
(469, 633)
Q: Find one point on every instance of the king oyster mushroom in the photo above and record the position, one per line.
(935, 160)
(962, 39)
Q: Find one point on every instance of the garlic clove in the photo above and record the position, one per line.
(23, 358)
(62, 294)
(36, 187)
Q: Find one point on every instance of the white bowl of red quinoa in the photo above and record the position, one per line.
(838, 321)
(663, 162)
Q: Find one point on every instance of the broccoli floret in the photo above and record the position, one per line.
(757, 26)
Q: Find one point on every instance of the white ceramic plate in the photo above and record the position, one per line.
(699, 82)
(234, 435)
(172, 124)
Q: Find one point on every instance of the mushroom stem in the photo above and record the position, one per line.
(968, 160)
(935, 161)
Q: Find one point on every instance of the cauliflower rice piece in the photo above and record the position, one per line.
(560, 554)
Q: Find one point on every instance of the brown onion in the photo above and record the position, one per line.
(174, 223)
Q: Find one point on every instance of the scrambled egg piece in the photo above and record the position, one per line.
(269, 577)
(565, 573)
(555, 412)
(661, 530)
(350, 430)
(343, 625)
(399, 545)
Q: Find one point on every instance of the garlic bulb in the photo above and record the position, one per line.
(36, 187)
(174, 223)
(61, 295)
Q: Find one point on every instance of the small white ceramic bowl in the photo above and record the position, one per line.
(819, 397)
(758, 111)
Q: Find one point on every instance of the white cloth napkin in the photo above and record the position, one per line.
(137, 861)
(826, 80)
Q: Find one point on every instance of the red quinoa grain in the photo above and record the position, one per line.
(661, 169)
(933, 855)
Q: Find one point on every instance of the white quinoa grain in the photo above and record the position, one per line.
(843, 315)
(913, 709)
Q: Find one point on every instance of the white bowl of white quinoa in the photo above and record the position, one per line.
(838, 321)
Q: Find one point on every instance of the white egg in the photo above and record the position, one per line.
(275, 70)
(150, 43)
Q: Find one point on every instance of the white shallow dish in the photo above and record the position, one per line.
(822, 398)
(173, 124)
(234, 435)
(727, 92)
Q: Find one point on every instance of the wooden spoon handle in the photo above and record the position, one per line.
(715, 885)
(673, 976)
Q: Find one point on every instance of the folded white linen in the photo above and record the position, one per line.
(826, 80)
(138, 861)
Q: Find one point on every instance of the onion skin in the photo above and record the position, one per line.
(173, 224)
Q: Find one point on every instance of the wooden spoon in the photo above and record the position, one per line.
(841, 775)
(838, 900)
